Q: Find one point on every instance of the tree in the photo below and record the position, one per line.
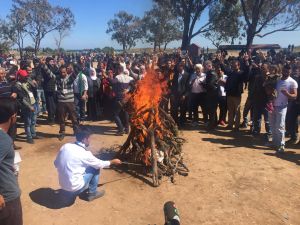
(4, 47)
(190, 12)
(108, 50)
(126, 29)
(271, 15)
(225, 25)
(13, 30)
(62, 33)
(43, 18)
(161, 26)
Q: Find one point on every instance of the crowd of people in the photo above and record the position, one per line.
(70, 87)
(94, 87)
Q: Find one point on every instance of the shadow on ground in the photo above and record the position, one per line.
(287, 155)
(52, 199)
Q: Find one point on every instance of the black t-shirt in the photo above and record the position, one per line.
(9, 187)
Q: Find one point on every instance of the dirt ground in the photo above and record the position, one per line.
(234, 179)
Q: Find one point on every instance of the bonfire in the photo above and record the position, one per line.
(153, 140)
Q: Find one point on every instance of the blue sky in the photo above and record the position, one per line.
(91, 23)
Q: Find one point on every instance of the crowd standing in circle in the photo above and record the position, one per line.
(65, 87)
(70, 87)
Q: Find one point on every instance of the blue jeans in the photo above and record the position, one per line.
(277, 123)
(91, 180)
(258, 112)
(41, 99)
(30, 121)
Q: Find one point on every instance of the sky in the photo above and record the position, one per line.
(91, 18)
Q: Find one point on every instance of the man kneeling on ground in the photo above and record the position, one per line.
(78, 168)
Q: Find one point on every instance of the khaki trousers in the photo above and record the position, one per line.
(234, 111)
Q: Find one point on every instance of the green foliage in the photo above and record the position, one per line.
(4, 47)
(270, 16)
(126, 29)
(225, 25)
(36, 18)
(108, 50)
(189, 11)
(161, 26)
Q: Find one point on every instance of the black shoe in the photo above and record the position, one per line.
(96, 195)
(36, 137)
(17, 147)
(61, 137)
(236, 129)
(228, 127)
(280, 150)
(120, 133)
(30, 141)
(293, 141)
(244, 125)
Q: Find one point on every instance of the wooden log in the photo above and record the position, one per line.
(155, 178)
(126, 145)
(165, 114)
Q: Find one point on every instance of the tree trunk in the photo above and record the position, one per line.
(154, 47)
(185, 36)
(37, 46)
(124, 47)
(21, 52)
(250, 37)
(165, 47)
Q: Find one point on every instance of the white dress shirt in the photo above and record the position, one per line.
(71, 164)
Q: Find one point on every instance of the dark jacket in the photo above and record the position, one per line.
(180, 88)
(253, 73)
(49, 81)
(258, 93)
(91, 86)
(211, 85)
(23, 97)
(235, 81)
(38, 77)
(6, 89)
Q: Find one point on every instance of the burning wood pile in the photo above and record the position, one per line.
(153, 139)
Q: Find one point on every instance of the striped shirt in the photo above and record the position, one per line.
(65, 91)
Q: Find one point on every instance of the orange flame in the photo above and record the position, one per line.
(147, 96)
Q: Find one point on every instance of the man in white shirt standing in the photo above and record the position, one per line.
(286, 89)
(198, 94)
(121, 85)
(78, 169)
(80, 93)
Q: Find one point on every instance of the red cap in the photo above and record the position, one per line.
(22, 73)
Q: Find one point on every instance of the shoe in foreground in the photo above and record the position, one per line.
(280, 150)
(61, 137)
(93, 196)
